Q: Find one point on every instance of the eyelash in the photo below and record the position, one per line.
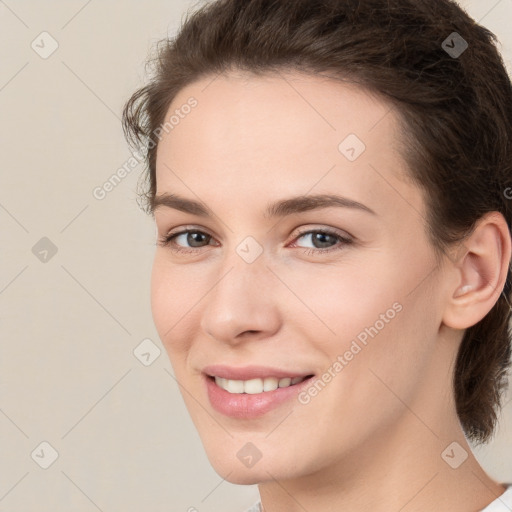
(167, 241)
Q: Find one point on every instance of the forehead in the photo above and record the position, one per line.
(254, 110)
(282, 134)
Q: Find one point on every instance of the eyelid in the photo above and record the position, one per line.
(301, 231)
(174, 232)
(344, 238)
(328, 229)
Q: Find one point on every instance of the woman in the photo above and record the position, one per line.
(330, 182)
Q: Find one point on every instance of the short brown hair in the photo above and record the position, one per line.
(456, 111)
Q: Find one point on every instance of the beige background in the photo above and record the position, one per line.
(70, 324)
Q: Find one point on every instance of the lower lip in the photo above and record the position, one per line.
(248, 406)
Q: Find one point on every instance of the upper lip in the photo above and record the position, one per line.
(250, 372)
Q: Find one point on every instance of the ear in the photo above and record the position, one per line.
(480, 272)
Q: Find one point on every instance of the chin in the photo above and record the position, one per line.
(237, 471)
(244, 477)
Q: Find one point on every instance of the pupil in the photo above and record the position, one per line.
(321, 235)
(192, 238)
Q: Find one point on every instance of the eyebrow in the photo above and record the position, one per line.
(280, 208)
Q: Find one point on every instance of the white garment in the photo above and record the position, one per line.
(501, 504)
(255, 508)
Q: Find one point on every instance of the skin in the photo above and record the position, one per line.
(372, 439)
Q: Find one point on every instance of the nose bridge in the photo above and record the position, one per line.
(241, 297)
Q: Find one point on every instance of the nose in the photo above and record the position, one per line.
(242, 303)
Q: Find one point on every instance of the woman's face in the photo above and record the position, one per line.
(272, 282)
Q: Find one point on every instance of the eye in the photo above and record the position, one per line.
(328, 240)
(194, 237)
(324, 240)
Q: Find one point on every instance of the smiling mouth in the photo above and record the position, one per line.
(258, 385)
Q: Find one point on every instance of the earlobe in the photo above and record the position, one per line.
(481, 272)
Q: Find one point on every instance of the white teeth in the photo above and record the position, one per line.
(270, 383)
(235, 386)
(254, 386)
(283, 383)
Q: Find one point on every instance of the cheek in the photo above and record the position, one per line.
(160, 300)
(172, 297)
(384, 344)
(375, 316)
(342, 299)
